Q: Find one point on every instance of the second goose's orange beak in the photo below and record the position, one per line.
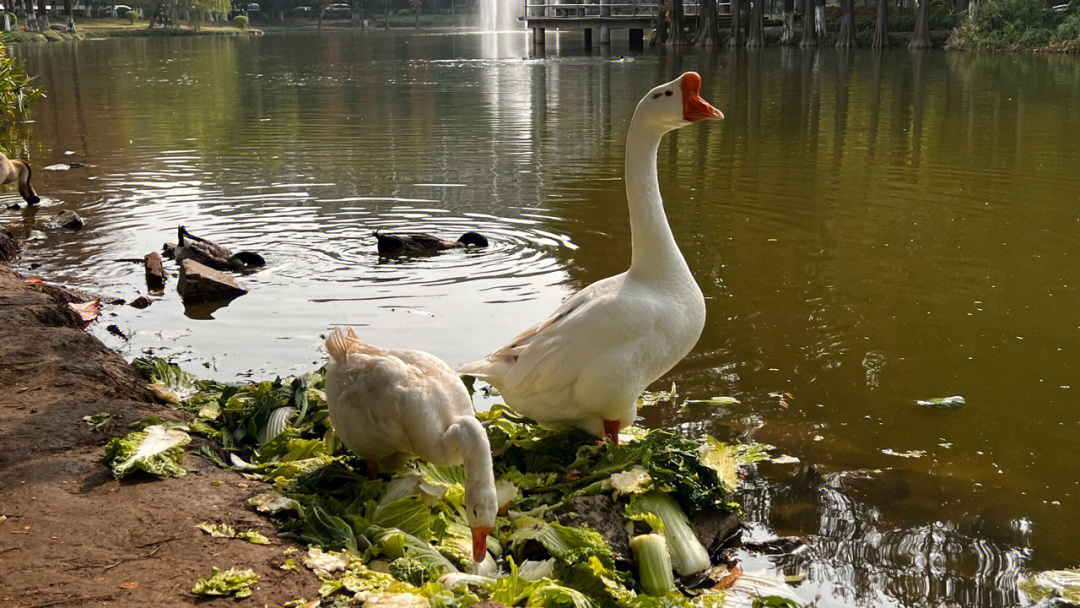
(694, 107)
(479, 543)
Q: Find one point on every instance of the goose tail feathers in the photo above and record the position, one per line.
(341, 342)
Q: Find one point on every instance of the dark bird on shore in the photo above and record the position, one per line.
(18, 170)
(419, 242)
(189, 246)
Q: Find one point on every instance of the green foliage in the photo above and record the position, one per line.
(414, 571)
(16, 94)
(1013, 25)
(168, 13)
(233, 582)
(131, 16)
(241, 21)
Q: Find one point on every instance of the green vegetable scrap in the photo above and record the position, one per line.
(227, 531)
(688, 556)
(407, 532)
(155, 450)
(233, 582)
(654, 564)
(943, 403)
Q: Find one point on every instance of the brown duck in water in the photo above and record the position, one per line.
(419, 242)
(189, 246)
(18, 170)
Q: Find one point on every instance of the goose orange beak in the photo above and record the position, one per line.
(694, 107)
(479, 543)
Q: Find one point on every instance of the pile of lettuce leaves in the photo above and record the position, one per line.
(406, 532)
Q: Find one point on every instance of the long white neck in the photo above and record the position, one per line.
(655, 253)
(471, 442)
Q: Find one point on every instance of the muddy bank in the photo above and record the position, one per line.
(73, 536)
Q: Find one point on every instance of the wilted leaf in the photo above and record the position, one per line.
(87, 311)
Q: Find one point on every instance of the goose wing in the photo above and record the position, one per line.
(552, 354)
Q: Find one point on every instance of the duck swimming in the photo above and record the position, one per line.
(586, 365)
(390, 403)
(189, 246)
(419, 242)
(18, 170)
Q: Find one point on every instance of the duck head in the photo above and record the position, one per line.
(675, 104)
(474, 239)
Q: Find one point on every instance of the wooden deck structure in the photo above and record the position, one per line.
(604, 15)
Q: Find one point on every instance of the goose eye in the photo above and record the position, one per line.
(668, 93)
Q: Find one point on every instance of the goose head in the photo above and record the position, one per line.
(481, 506)
(675, 104)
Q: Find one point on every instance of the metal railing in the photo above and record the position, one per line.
(598, 8)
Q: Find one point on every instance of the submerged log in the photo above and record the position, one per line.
(198, 284)
(155, 272)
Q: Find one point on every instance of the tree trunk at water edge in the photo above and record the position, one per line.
(881, 30)
(920, 39)
(735, 35)
(846, 39)
(708, 24)
(819, 19)
(70, 17)
(43, 17)
(788, 35)
(755, 37)
(809, 29)
(677, 36)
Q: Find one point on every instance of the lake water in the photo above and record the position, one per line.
(868, 230)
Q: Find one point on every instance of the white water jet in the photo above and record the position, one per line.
(501, 15)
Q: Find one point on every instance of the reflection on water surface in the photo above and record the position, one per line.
(868, 231)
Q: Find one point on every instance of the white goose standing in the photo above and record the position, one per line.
(390, 403)
(586, 365)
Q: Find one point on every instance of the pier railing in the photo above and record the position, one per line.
(614, 9)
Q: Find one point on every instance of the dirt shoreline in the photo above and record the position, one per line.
(73, 536)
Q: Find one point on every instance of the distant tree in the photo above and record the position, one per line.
(677, 37)
(416, 6)
(42, 16)
(788, 35)
(735, 37)
(167, 13)
(70, 18)
(809, 30)
(920, 39)
(708, 29)
(846, 39)
(755, 36)
(819, 19)
(881, 30)
(663, 23)
(321, 6)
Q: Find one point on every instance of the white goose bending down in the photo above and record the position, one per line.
(586, 365)
(390, 403)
